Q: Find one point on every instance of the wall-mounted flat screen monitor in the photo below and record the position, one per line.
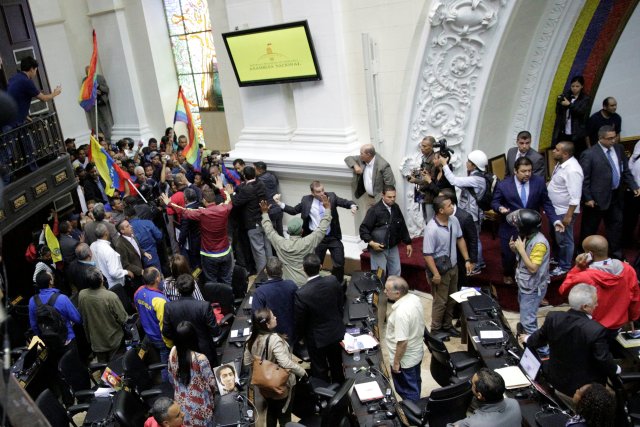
(276, 54)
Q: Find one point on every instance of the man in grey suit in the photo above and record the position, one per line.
(605, 169)
(523, 149)
(371, 173)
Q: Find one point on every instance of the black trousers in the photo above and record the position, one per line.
(591, 218)
(336, 249)
(325, 360)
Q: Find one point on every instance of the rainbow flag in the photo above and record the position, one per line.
(183, 114)
(89, 89)
(114, 177)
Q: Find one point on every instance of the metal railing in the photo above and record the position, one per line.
(30, 143)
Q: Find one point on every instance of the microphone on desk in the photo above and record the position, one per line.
(370, 369)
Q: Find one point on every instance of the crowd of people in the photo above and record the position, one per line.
(134, 251)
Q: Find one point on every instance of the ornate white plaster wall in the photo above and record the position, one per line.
(620, 77)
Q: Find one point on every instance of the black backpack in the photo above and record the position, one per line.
(53, 327)
(484, 203)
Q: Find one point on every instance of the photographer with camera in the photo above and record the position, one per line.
(422, 178)
(572, 113)
(472, 189)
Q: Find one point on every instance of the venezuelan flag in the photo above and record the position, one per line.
(114, 177)
(89, 89)
(183, 114)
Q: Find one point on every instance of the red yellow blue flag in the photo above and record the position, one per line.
(183, 114)
(114, 177)
(89, 89)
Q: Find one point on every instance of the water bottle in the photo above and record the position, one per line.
(356, 354)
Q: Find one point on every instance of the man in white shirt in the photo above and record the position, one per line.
(107, 259)
(371, 173)
(565, 191)
(405, 330)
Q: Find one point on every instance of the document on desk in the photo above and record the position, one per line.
(462, 295)
(491, 335)
(362, 342)
(368, 391)
(240, 332)
(513, 377)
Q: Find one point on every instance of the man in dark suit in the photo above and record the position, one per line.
(189, 239)
(246, 201)
(130, 251)
(67, 243)
(311, 211)
(523, 149)
(522, 191)
(605, 169)
(94, 186)
(370, 174)
(319, 308)
(77, 270)
(579, 348)
(469, 234)
(197, 312)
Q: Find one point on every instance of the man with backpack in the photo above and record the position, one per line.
(52, 315)
(474, 197)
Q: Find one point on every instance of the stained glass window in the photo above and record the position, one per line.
(194, 54)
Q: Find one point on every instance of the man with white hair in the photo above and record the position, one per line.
(579, 347)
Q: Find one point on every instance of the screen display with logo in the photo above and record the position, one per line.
(276, 54)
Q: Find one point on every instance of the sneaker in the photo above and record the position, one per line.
(558, 271)
(553, 261)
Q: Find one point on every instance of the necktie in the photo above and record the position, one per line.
(615, 176)
(321, 210)
(523, 195)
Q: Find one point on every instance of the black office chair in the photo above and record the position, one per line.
(336, 411)
(449, 368)
(129, 410)
(139, 377)
(239, 281)
(626, 386)
(55, 413)
(444, 405)
(222, 294)
(78, 377)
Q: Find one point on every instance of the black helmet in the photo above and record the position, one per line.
(527, 221)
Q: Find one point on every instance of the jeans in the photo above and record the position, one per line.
(480, 262)
(260, 247)
(163, 352)
(218, 269)
(408, 382)
(529, 304)
(388, 260)
(565, 245)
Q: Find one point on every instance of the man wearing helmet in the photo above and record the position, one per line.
(472, 188)
(532, 271)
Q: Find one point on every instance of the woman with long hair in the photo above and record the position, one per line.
(595, 407)
(178, 264)
(572, 113)
(193, 380)
(278, 351)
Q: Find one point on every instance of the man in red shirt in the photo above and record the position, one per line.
(616, 282)
(215, 250)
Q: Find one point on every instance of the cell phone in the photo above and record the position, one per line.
(589, 257)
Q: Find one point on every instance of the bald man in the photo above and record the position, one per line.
(371, 173)
(616, 282)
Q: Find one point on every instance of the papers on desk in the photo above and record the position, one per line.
(239, 335)
(491, 335)
(627, 341)
(513, 377)
(352, 343)
(368, 391)
(462, 295)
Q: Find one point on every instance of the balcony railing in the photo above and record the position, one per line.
(25, 147)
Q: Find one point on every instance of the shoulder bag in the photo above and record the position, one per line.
(269, 377)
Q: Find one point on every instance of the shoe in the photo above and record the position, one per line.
(557, 272)
(553, 261)
(545, 303)
(507, 280)
(453, 332)
(440, 334)
(519, 329)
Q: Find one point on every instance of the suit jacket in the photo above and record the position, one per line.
(382, 175)
(90, 231)
(92, 191)
(304, 208)
(469, 233)
(539, 167)
(128, 256)
(199, 313)
(579, 350)
(68, 248)
(318, 308)
(377, 217)
(506, 194)
(597, 175)
(246, 203)
(579, 111)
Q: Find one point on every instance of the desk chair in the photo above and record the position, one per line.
(444, 405)
(55, 413)
(222, 294)
(129, 410)
(627, 399)
(239, 281)
(138, 376)
(449, 368)
(336, 411)
(78, 377)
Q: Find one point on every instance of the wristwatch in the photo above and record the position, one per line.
(467, 260)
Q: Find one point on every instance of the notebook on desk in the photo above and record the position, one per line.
(522, 375)
(358, 310)
(482, 303)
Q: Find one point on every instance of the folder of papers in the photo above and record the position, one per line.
(352, 343)
(513, 377)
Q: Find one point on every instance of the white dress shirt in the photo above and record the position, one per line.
(108, 261)
(314, 214)
(367, 176)
(634, 163)
(565, 187)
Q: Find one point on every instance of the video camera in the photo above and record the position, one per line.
(445, 151)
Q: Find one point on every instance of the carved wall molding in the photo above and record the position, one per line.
(461, 32)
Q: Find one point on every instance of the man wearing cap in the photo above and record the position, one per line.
(291, 251)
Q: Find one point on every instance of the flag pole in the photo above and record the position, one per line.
(137, 191)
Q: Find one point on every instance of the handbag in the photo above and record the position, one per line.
(443, 262)
(269, 377)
